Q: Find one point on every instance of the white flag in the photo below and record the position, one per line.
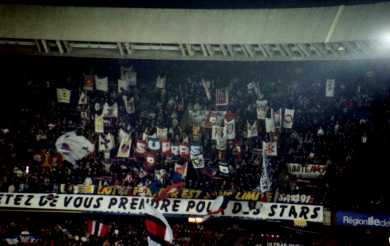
(206, 86)
(277, 118)
(122, 134)
(230, 129)
(110, 111)
(73, 147)
(221, 142)
(175, 149)
(63, 95)
(265, 180)
(106, 142)
(198, 162)
(130, 76)
(223, 168)
(216, 131)
(288, 118)
(154, 144)
(99, 123)
(330, 87)
(123, 85)
(270, 148)
(269, 125)
(162, 133)
(101, 83)
(83, 99)
(161, 82)
(195, 151)
(251, 129)
(124, 147)
(129, 104)
(261, 108)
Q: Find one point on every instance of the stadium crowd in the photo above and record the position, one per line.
(73, 230)
(342, 131)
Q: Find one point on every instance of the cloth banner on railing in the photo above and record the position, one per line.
(136, 206)
(307, 170)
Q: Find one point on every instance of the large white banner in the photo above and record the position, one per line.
(136, 205)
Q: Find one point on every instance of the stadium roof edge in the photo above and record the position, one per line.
(196, 4)
(185, 33)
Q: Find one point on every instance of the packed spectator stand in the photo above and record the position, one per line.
(346, 131)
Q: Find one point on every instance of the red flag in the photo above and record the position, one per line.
(157, 228)
(184, 151)
(150, 159)
(166, 147)
(164, 192)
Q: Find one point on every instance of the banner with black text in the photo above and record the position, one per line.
(136, 205)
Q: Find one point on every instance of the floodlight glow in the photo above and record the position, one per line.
(385, 39)
(196, 220)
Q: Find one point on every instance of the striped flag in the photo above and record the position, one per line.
(157, 228)
(222, 97)
(265, 179)
(97, 229)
